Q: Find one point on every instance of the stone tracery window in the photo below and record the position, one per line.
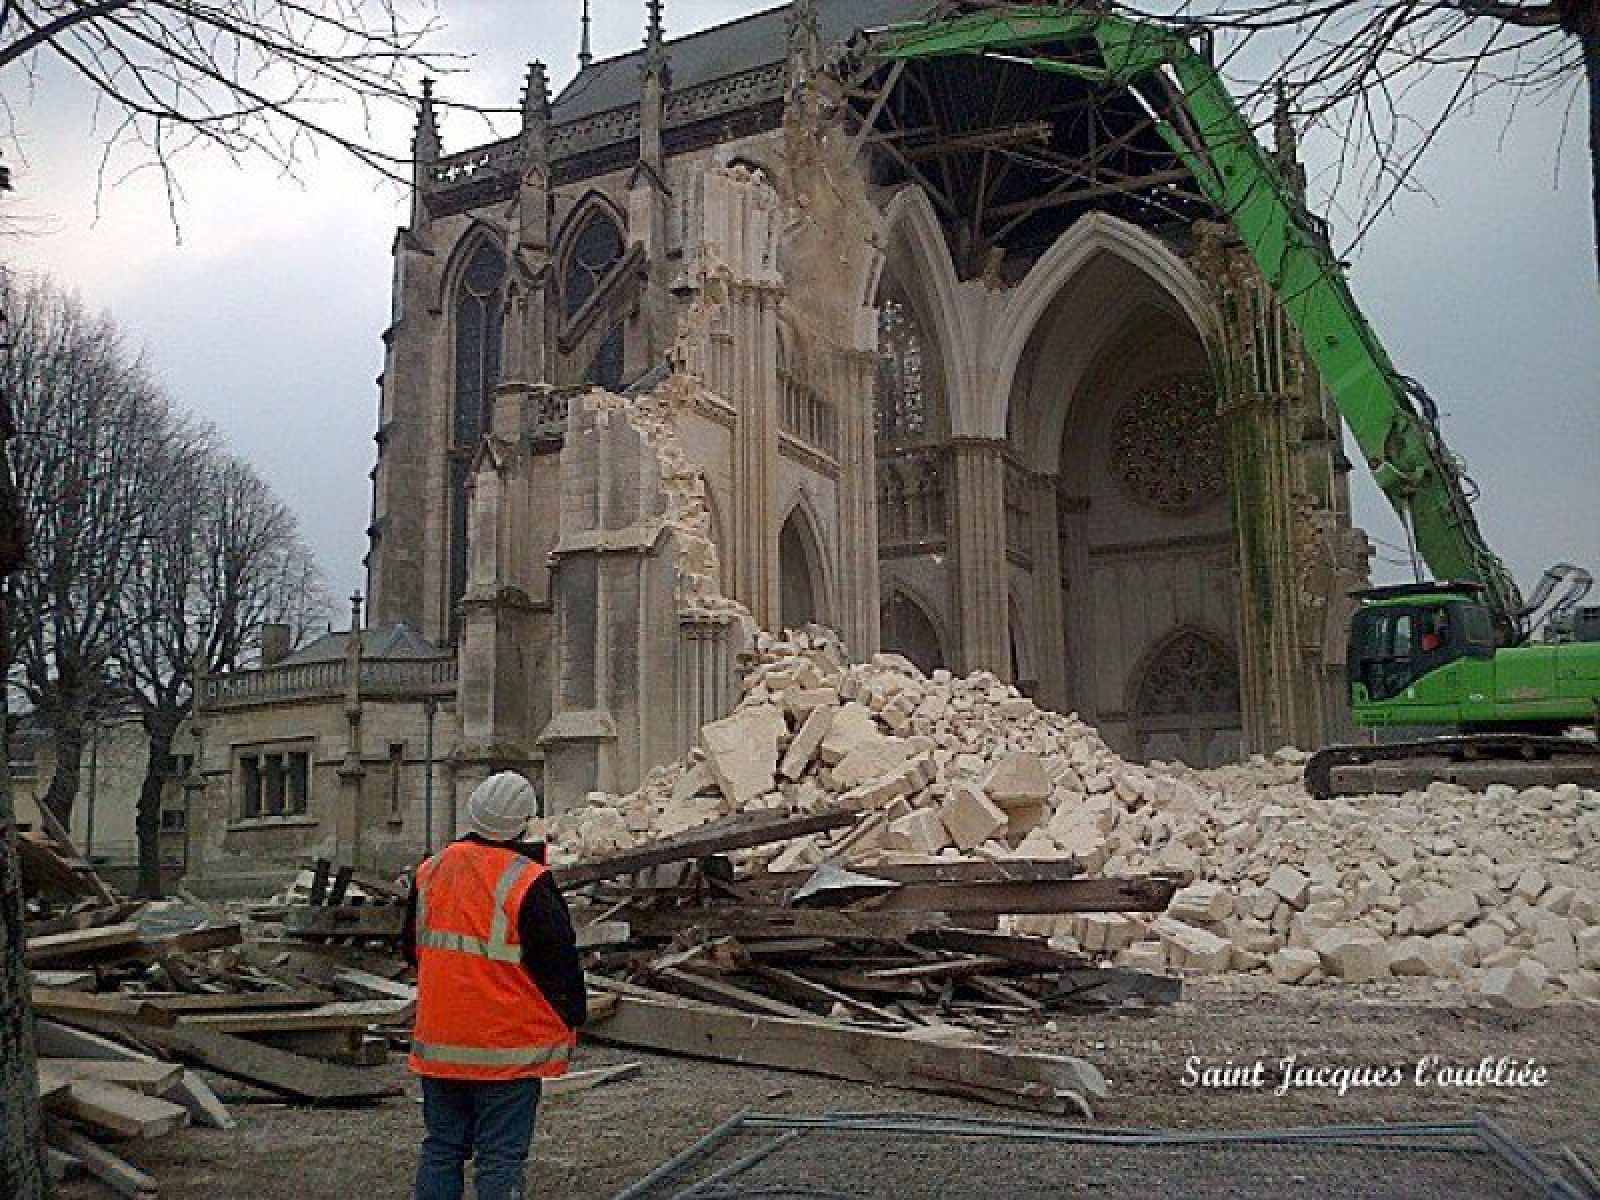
(479, 333)
(1166, 446)
(902, 399)
(595, 250)
(1191, 675)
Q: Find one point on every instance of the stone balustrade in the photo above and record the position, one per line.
(321, 680)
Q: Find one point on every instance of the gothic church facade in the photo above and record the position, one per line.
(742, 329)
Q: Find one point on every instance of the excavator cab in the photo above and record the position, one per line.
(1402, 633)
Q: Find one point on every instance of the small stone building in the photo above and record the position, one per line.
(339, 750)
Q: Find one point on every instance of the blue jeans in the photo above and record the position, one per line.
(490, 1123)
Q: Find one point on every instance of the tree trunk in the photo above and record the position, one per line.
(147, 823)
(22, 1172)
(70, 740)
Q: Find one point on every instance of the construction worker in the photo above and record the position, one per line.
(500, 994)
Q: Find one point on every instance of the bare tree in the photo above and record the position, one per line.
(95, 456)
(248, 77)
(1386, 76)
(224, 556)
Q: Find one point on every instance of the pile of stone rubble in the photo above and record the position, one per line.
(1498, 892)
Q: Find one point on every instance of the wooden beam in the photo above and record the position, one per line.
(1013, 871)
(751, 922)
(78, 943)
(99, 1006)
(121, 1110)
(271, 1070)
(582, 1081)
(121, 1176)
(1023, 951)
(182, 1005)
(730, 833)
(1146, 893)
(149, 1075)
(1037, 1082)
(347, 921)
(343, 1014)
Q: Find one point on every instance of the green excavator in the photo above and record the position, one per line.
(1507, 689)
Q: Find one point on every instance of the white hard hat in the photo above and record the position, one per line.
(501, 806)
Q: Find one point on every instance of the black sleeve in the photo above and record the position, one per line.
(408, 929)
(550, 950)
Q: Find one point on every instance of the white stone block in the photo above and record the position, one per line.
(1293, 964)
(1440, 910)
(1290, 885)
(970, 816)
(1519, 986)
(1353, 954)
(743, 750)
(1201, 903)
(806, 742)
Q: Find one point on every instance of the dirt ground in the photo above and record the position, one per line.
(594, 1143)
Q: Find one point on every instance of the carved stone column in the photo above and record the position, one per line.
(1260, 406)
(855, 376)
(978, 544)
(1049, 632)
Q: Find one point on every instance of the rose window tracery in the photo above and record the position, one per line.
(1166, 446)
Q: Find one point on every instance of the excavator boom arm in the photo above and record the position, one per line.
(1199, 120)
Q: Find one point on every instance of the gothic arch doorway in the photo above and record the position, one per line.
(802, 597)
(905, 628)
(1186, 702)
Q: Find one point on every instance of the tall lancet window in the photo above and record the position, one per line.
(479, 326)
(593, 256)
(902, 401)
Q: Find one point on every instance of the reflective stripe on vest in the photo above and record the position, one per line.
(498, 947)
(480, 1056)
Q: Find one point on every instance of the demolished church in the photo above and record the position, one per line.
(744, 329)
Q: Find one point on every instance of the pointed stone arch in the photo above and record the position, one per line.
(476, 234)
(1091, 236)
(803, 584)
(917, 258)
(907, 626)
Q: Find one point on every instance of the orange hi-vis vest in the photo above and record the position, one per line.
(479, 1014)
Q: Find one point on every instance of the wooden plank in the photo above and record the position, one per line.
(265, 1067)
(195, 1094)
(720, 991)
(341, 886)
(121, 1110)
(240, 1001)
(373, 987)
(750, 922)
(814, 989)
(110, 941)
(319, 882)
(64, 981)
(1021, 950)
(121, 1176)
(349, 920)
(342, 1014)
(88, 918)
(737, 832)
(1037, 1082)
(69, 1006)
(1147, 893)
(945, 968)
(151, 1076)
(60, 1165)
(90, 880)
(1021, 870)
(55, 1040)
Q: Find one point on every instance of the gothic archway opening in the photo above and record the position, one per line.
(801, 598)
(479, 325)
(1186, 703)
(905, 628)
(1125, 530)
(588, 262)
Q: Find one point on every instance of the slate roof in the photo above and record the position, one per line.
(382, 642)
(745, 44)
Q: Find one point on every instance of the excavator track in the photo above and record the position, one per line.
(1472, 760)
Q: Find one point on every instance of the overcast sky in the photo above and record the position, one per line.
(265, 318)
